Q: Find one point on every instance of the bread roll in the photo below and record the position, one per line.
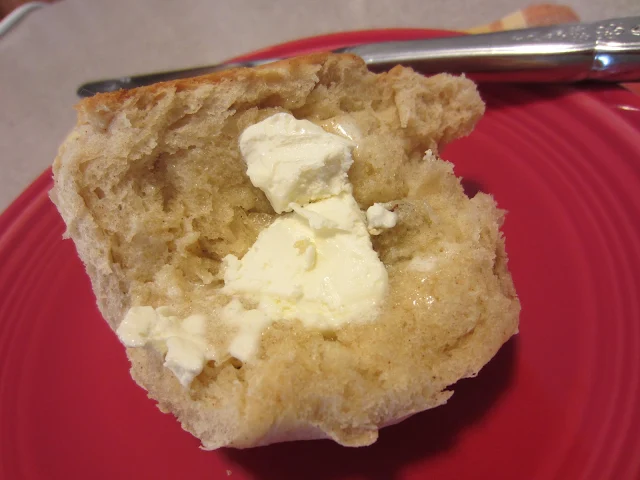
(153, 190)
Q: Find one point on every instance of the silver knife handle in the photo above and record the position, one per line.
(617, 52)
(606, 51)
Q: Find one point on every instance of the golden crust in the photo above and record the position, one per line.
(114, 100)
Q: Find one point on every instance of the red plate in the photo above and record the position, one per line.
(562, 400)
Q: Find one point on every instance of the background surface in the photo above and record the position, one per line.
(53, 50)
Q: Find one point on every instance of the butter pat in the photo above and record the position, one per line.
(135, 328)
(379, 217)
(316, 265)
(183, 342)
(295, 161)
(250, 324)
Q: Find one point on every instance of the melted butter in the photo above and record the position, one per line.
(343, 126)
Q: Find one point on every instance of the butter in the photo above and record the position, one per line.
(343, 126)
(379, 217)
(315, 264)
(423, 264)
(135, 328)
(183, 342)
(295, 161)
(249, 323)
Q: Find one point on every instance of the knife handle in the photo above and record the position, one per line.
(603, 51)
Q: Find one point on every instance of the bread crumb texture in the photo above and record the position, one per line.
(153, 190)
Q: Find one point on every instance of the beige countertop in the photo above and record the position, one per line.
(56, 48)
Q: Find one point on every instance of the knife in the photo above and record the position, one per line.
(607, 51)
